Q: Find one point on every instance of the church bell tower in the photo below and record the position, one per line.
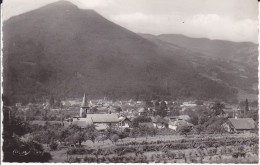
(84, 107)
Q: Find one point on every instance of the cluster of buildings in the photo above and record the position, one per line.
(120, 114)
(119, 119)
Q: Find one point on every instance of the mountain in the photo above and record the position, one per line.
(62, 51)
(245, 52)
(232, 63)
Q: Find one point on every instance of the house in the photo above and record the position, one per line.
(184, 117)
(179, 123)
(240, 125)
(188, 104)
(100, 121)
(160, 122)
(103, 119)
(181, 117)
(142, 112)
(124, 122)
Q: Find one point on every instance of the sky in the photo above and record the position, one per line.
(234, 20)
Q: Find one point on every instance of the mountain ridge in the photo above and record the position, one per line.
(63, 51)
(238, 67)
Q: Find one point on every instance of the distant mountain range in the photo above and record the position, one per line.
(64, 51)
(232, 63)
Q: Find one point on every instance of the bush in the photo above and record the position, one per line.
(80, 151)
(235, 155)
(90, 159)
(114, 138)
(53, 145)
(46, 156)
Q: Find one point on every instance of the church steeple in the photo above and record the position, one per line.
(84, 102)
(84, 107)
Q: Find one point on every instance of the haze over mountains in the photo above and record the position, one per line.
(62, 50)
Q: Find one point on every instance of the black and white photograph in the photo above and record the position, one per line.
(129, 81)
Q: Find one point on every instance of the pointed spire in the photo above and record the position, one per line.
(84, 101)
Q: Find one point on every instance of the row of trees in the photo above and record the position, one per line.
(73, 134)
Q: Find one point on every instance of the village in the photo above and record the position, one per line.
(104, 113)
(70, 129)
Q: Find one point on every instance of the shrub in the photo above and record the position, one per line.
(53, 145)
(235, 155)
(46, 156)
(193, 160)
(114, 138)
(90, 159)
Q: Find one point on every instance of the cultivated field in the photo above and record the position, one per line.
(235, 148)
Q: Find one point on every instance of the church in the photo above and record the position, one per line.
(101, 121)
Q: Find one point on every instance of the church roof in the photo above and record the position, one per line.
(103, 118)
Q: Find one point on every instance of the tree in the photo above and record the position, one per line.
(254, 103)
(201, 155)
(252, 114)
(157, 105)
(203, 115)
(91, 133)
(148, 103)
(114, 138)
(215, 128)
(140, 119)
(109, 133)
(12, 124)
(15, 150)
(246, 106)
(175, 112)
(134, 132)
(184, 130)
(48, 133)
(199, 128)
(97, 153)
(214, 125)
(162, 109)
(76, 134)
(124, 133)
(51, 101)
(193, 116)
(146, 131)
(163, 105)
(118, 109)
(58, 103)
(53, 145)
(93, 110)
(218, 108)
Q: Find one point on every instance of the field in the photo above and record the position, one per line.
(235, 148)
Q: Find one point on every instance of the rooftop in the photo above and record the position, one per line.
(242, 123)
(103, 118)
